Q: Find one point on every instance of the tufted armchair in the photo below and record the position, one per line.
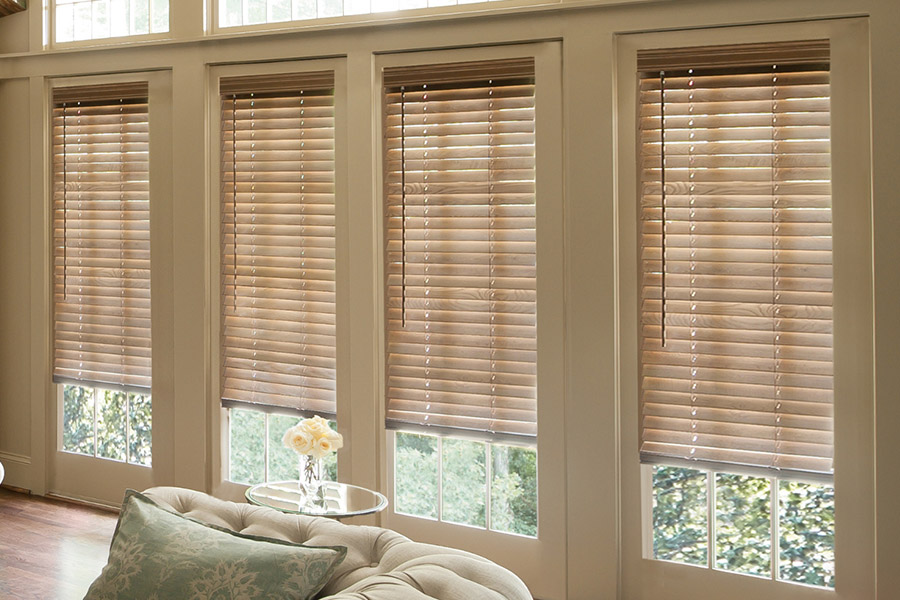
(380, 565)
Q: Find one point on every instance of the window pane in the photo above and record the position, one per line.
(416, 475)
(119, 18)
(100, 19)
(248, 446)
(140, 434)
(679, 515)
(330, 461)
(279, 10)
(78, 419)
(806, 525)
(160, 16)
(284, 463)
(254, 12)
(83, 14)
(331, 8)
(230, 13)
(357, 7)
(744, 524)
(514, 490)
(464, 476)
(111, 424)
(65, 23)
(140, 13)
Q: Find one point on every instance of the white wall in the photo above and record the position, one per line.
(590, 405)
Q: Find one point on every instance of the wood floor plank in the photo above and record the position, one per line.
(50, 549)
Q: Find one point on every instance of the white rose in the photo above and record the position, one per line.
(316, 426)
(323, 447)
(337, 440)
(299, 440)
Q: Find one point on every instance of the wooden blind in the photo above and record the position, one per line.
(736, 258)
(460, 248)
(101, 236)
(278, 284)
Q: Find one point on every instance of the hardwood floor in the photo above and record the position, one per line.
(49, 549)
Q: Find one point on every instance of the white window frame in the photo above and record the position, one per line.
(643, 576)
(540, 562)
(49, 25)
(219, 417)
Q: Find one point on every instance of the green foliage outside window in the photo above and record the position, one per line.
(514, 490)
(111, 425)
(679, 515)
(464, 477)
(121, 420)
(78, 419)
(806, 513)
(513, 482)
(140, 441)
(416, 480)
(743, 524)
(248, 446)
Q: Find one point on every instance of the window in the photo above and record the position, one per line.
(256, 452)
(235, 13)
(736, 307)
(278, 271)
(77, 20)
(101, 276)
(105, 423)
(461, 291)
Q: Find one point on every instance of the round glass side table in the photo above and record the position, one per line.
(336, 500)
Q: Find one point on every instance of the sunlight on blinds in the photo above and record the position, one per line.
(278, 252)
(461, 262)
(736, 302)
(101, 236)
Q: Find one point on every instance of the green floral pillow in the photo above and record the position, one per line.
(158, 554)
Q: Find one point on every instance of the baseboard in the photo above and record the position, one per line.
(89, 502)
(18, 471)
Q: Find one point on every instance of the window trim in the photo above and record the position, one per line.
(541, 562)
(853, 329)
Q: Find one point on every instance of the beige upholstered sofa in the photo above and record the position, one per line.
(380, 565)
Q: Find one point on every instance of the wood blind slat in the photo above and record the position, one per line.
(100, 228)
(278, 251)
(741, 277)
(460, 249)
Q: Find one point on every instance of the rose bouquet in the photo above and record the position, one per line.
(313, 440)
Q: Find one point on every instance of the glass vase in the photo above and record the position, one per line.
(311, 472)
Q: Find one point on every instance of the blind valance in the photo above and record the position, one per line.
(460, 248)
(101, 236)
(278, 282)
(736, 259)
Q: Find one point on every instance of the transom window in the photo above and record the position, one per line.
(235, 13)
(79, 20)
